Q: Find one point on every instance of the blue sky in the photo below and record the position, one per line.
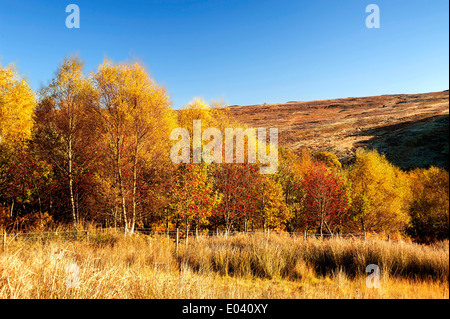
(241, 52)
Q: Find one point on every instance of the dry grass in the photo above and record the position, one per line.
(242, 266)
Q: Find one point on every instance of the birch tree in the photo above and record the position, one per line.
(137, 120)
(70, 96)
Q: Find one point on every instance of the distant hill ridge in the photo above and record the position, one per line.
(411, 129)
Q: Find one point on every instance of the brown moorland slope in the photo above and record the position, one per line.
(410, 129)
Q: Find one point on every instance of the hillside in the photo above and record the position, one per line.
(411, 129)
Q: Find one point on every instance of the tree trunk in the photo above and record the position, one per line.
(115, 215)
(187, 231)
(133, 220)
(40, 210)
(328, 227)
(124, 212)
(167, 224)
(321, 229)
(177, 239)
(72, 200)
(120, 184)
(77, 205)
(12, 210)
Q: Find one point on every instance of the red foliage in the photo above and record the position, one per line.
(325, 201)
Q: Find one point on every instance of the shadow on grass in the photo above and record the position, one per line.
(413, 144)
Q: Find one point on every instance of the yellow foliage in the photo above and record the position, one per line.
(136, 108)
(380, 193)
(430, 204)
(197, 109)
(17, 103)
(329, 159)
(274, 211)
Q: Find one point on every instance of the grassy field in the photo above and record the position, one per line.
(110, 265)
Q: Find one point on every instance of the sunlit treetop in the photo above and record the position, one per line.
(17, 103)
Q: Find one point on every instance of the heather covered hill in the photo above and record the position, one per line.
(411, 129)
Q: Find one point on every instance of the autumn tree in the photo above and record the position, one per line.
(136, 120)
(328, 159)
(193, 197)
(17, 103)
(194, 119)
(69, 101)
(380, 193)
(429, 206)
(288, 176)
(197, 109)
(24, 179)
(248, 195)
(325, 202)
(157, 181)
(272, 210)
(151, 120)
(237, 186)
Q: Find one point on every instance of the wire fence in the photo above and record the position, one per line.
(7, 238)
(179, 234)
(222, 233)
(175, 235)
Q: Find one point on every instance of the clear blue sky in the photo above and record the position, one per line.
(244, 52)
